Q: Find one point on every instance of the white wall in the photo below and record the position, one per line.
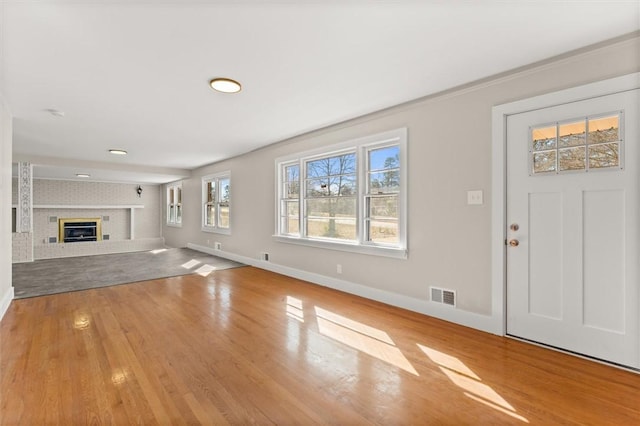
(449, 153)
(6, 289)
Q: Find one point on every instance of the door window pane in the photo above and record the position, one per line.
(572, 134)
(604, 155)
(572, 158)
(604, 129)
(543, 138)
(544, 161)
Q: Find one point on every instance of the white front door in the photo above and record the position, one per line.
(573, 218)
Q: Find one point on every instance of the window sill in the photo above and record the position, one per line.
(396, 253)
(216, 230)
(175, 225)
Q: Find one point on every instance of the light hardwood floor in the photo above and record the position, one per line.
(246, 346)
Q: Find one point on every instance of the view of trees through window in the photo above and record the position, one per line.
(210, 205)
(330, 186)
(331, 197)
(217, 202)
(382, 195)
(290, 208)
(352, 193)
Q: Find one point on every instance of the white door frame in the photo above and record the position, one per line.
(499, 177)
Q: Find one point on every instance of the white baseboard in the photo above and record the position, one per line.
(469, 319)
(7, 297)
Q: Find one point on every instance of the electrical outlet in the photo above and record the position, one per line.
(217, 246)
(339, 268)
(264, 256)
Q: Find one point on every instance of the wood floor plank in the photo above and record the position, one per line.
(247, 346)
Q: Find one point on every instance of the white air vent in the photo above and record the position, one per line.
(444, 296)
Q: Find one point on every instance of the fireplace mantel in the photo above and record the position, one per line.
(130, 207)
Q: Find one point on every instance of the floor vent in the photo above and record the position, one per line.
(444, 296)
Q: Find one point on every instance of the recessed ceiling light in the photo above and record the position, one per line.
(82, 175)
(225, 85)
(118, 151)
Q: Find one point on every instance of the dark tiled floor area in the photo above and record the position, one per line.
(51, 276)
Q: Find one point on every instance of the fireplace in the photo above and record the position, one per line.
(79, 230)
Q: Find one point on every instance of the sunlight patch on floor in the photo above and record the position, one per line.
(156, 251)
(205, 270)
(364, 338)
(355, 325)
(497, 407)
(119, 376)
(82, 321)
(190, 264)
(463, 377)
(294, 309)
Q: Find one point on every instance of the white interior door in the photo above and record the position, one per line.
(573, 214)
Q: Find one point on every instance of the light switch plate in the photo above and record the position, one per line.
(474, 197)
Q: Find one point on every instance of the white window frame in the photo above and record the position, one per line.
(361, 147)
(174, 187)
(216, 228)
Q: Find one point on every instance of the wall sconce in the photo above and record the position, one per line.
(139, 191)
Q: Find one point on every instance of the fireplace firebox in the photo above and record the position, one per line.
(79, 230)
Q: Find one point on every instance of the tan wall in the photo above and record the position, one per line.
(449, 153)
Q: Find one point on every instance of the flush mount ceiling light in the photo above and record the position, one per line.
(118, 151)
(83, 175)
(225, 85)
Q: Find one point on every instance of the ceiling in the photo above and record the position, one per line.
(134, 75)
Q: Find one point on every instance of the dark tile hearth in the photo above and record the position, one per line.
(51, 276)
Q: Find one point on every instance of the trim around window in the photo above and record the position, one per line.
(216, 203)
(350, 196)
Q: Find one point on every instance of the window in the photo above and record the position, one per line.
(588, 143)
(350, 196)
(174, 204)
(216, 202)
